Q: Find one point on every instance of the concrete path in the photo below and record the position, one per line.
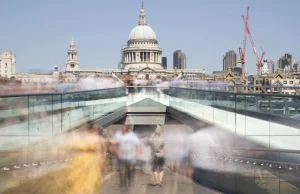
(143, 184)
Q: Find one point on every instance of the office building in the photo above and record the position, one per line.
(272, 63)
(179, 60)
(229, 60)
(285, 62)
(165, 62)
(296, 67)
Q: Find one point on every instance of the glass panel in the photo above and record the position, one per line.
(14, 115)
(57, 114)
(285, 116)
(220, 110)
(285, 142)
(40, 115)
(257, 121)
(231, 113)
(208, 112)
(197, 101)
(240, 115)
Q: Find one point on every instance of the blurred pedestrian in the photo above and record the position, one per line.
(85, 173)
(131, 90)
(157, 145)
(128, 150)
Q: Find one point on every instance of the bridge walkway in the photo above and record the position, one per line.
(143, 183)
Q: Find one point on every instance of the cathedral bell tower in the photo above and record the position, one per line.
(72, 62)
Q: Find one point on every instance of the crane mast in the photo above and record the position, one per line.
(242, 51)
(259, 60)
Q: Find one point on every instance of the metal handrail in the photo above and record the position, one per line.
(54, 93)
(235, 93)
(162, 87)
(264, 149)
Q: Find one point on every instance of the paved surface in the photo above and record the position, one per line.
(144, 184)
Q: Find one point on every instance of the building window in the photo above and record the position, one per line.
(256, 82)
(5, 65)
(284, 82)
(72, 56)
(291, 82)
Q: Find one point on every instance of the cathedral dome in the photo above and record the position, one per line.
(142, 49)
(142, 32)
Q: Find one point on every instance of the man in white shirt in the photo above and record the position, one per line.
(128, 150)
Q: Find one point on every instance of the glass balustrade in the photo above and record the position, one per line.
(31, 127)
(266, 121)
(269, 120)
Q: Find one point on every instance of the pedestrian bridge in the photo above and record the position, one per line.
(239, 143)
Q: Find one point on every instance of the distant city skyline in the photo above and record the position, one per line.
(39, 33)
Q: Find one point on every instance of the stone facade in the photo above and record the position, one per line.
(268, 83)
(7, 64)
(72, 64)
(39, 77)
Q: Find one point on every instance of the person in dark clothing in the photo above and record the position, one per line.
(130, 87)
(131, 90)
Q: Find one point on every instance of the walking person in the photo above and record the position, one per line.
(131, 91)
(128, 150)
(113, 148)
(85, 173)
(157, 145)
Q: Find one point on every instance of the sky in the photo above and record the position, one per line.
(39, 31)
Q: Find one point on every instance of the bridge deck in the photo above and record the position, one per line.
(143, 183)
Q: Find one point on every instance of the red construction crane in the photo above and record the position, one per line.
(259, 60)
(242, 51)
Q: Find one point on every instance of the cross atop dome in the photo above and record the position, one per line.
(142, 21)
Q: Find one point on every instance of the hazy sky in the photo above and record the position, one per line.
(39, 31)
